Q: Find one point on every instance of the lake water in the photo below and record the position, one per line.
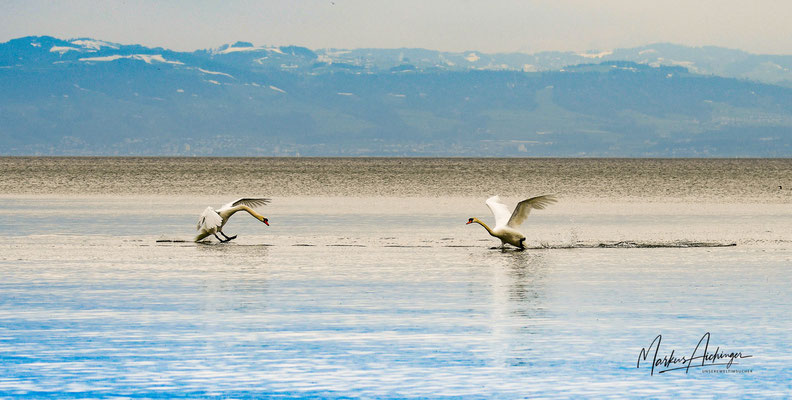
(369, 284)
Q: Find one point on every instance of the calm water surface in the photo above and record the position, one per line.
(369, 284)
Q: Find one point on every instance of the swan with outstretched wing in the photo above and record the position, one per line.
(211, 221)
(507, 223)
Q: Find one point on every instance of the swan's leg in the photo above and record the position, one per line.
(218, 238)
(228, 239)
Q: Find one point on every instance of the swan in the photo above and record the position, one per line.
(505, 225)
(211, 221)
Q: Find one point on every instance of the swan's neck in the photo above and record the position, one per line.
(485, 226)
(245, 208)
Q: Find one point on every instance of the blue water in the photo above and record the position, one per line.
(392, 301)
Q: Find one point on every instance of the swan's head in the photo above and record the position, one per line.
(265, 221)
(470, 221)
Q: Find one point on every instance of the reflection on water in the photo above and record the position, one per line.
(519, 302)
(526, 272)
(228, 285)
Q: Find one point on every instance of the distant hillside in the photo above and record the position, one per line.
(87, 96)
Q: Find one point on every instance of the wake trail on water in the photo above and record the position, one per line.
(623, 244)
(629, 244)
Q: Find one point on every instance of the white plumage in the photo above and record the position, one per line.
(211, 221)
(506, 223)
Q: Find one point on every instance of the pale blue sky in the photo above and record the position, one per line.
(758, 26)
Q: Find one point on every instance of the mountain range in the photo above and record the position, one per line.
(91, 97)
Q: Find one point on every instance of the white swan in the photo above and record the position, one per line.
(505, 225)
(211, 221)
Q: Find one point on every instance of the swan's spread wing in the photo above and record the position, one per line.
(209, 219)
(524, 207)
(499, 210)
(250, 202)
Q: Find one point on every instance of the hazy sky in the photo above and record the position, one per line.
(757, 26)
